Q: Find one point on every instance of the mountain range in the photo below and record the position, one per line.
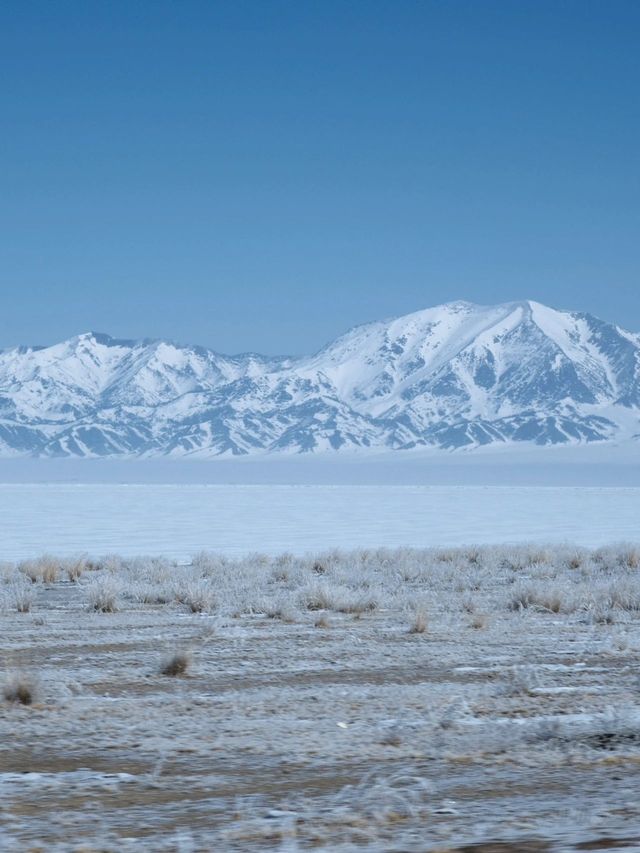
(455, 376)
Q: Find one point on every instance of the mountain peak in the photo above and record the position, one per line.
(455, 375)
(105, 340)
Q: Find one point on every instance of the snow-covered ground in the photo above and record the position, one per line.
(178, 520)
(448, 701)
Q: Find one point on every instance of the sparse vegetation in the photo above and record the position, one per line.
(20, 689)
(197, 595)
(419, 622)
(43, 569)
(543, 598)
(519, 663)
(23, 597)
(176, 663)
(75, 569)
(102, 594)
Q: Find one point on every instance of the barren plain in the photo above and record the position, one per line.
(482, 699)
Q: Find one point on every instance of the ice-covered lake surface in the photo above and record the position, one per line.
(180, 519)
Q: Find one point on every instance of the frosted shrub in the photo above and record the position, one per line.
(112, 563)
(102, 594)
(419, 623)
(624, 595)
(602, 614)
(576, 559)
(522, 558)
(341, 599)
(197, 595)
(149, 593)
(519, 681)
(631, 558)
(149, 580)
(283, 609)
(317, 597)
(23, 596)
(354, 601)
(540, 597)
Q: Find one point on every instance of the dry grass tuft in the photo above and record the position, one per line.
(419, 624)
(75, 569)
(322, 621)
(284, 611)
(176, 664)
(546, 599)
(20, 690)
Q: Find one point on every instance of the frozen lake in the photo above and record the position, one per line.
(177, 520)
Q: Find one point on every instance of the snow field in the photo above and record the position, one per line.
(177, 520)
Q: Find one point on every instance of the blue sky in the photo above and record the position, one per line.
(263, 175)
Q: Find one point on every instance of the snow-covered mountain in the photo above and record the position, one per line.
(459, 375)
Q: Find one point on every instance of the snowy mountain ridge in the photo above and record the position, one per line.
(455, 376)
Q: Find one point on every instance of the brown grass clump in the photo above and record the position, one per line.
(176, 664)
(30, 570)
(322, 621)
(75, 569)
(49, 572)
(20, 690)
(44, 569)
(632, 558)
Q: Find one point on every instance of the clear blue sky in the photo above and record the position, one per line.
(263, 175)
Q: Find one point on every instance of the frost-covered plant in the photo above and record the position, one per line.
(75, 568)
(419, 623)
(197, 595)
(625, 595)
(316, 597)
(519, 681)
(339, 598)
(550, 599)
(283, 609)
(23, 596)
(102, 594)
(112, 563)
